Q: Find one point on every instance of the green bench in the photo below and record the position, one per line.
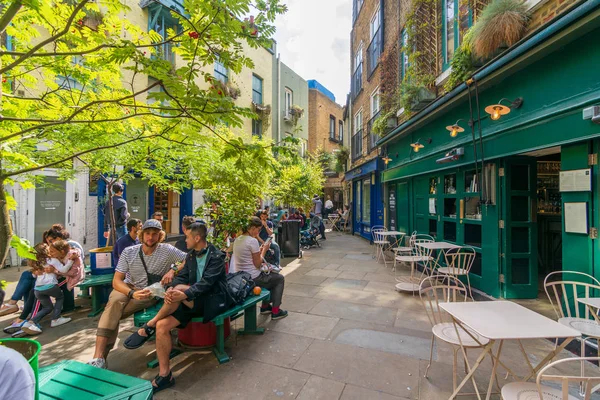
(247, 308)
(96, 282)
(74, 380)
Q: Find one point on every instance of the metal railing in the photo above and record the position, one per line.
(357, 144)
(357, 81)
(372, 137)
(374, 53)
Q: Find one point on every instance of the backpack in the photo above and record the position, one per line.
(240, 286)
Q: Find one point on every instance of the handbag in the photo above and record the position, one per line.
(240, 285)
(152, 278)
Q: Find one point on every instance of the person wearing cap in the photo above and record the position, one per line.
(120, 212)
(198, 290)
(139, 266)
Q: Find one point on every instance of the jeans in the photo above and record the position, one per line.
(277, 256)
(121, 231)
(24, 286)
(274, 283)
(44, 297)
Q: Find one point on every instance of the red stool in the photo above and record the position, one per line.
(198, 334)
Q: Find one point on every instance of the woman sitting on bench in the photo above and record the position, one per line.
(187, 297)
(248, 256)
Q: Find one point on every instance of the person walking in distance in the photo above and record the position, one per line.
(120, 212)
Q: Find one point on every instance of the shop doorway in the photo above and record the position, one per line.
(532, 213)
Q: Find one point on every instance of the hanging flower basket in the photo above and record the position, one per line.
(296, 112)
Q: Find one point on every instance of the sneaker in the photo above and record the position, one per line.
(60, 321)
(14, 327)
(98, 363)
(281, 314)
(19, 334)
(32, 328)
(266, 310)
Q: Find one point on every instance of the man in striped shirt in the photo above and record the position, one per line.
(138, 267)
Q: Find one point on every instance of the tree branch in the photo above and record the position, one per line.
(58, 162)
(77, 112)
(10, 13)
(88, 51)
(43, 43)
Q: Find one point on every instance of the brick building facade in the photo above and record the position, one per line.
(326, 133)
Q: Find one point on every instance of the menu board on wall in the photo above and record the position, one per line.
(578, 180)
(392, 207)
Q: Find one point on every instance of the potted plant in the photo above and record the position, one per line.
(501, 24)
(296, 113)
(462, 63)
(264, 114)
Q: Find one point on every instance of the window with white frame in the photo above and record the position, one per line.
(375, 22)
(375, 100)
(221, 72)
(358, 121)
(289, 100)
(358, 57)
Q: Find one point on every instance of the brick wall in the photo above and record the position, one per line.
(393, 20)
(320, 108)
(548, 11)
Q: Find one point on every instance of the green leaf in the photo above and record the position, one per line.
(23, 248)
(11, 203)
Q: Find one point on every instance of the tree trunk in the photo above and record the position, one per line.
(5, 227)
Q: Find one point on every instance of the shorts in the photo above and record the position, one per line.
(184, 314)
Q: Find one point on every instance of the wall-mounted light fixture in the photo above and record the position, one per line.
(416, 146)
(455, 129)
(383, 153)
(497, 110)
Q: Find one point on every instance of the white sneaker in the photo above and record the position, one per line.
(60, 321)
(32, 328)
(98, 362)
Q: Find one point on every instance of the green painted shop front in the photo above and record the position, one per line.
(556, 79)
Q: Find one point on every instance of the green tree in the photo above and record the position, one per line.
(237, 180)
(297, 180)
(76, 89)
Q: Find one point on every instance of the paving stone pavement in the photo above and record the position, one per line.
(349, 336)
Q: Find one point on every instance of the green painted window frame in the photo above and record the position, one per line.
(257, 89)
(404, 63)
(456, 28)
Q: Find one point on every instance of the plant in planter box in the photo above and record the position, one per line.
(264, 114)
(384, 123)
(462, 63)
(296, 112)
(501, 24)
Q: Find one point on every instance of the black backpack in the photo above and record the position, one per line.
(240, 286)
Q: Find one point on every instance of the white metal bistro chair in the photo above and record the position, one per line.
(379, 240)
(526, 390)
(407, 248)
(563, 295)
(417, 255)
(458, 263)
(432, 292)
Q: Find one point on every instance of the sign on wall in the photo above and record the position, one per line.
(577, 180)
(392, 207)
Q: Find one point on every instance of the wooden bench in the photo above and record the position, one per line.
(247, 308)
(74, 380)
(96, 282)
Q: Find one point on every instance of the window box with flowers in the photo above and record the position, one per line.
(296, 113)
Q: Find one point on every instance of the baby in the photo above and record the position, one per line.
(46, 284)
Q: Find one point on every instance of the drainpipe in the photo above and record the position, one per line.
(278, 98)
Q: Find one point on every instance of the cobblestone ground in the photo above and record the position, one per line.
(349, 335)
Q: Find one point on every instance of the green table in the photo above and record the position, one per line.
(95, 282)
(74, 380)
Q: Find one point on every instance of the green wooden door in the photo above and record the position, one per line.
(402, 207)
(519, 235)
